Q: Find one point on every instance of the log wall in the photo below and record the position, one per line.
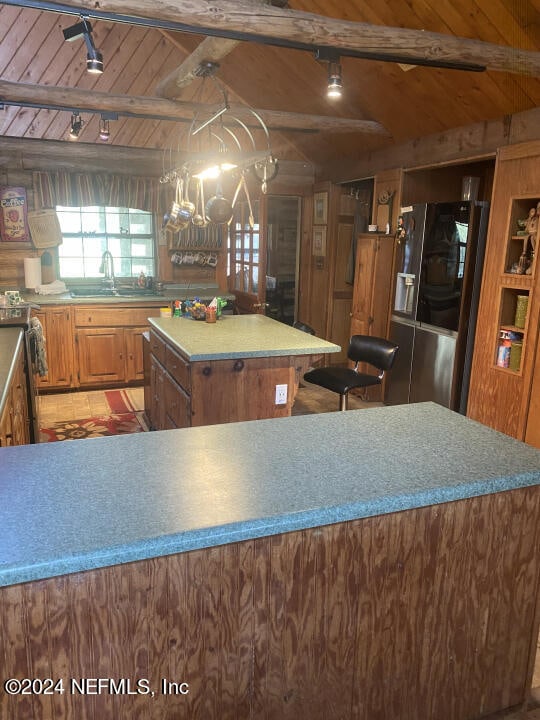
(429, 613)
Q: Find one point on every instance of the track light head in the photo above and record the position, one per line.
(335, 84)
(76, 126)
(83, 29)
(94, 62)
(104, 131)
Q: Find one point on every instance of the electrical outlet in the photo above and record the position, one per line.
(281, 394)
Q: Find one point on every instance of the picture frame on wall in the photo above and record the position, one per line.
(320, 208)
(319, 240)
(14, 216)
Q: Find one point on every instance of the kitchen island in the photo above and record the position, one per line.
(242, 367)
(374, 564)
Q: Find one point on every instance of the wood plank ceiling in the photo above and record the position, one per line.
(408, 103)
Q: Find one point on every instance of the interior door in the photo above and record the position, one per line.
(282, 239)
(247, 262)
(264, 259)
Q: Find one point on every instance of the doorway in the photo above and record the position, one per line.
(264, 252)
(282, 257)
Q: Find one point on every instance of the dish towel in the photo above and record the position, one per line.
(53, 288)
(38, 354)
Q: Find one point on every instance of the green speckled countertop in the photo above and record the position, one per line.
(72, 506)
(168, 295)
(239, 336)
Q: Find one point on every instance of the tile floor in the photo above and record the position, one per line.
(60, 407)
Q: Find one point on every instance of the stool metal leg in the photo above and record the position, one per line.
(343, 401)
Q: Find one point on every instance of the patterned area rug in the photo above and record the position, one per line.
(125, 417)
(116, 424)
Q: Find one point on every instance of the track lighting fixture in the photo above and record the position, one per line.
(104, 132)
(94, 59)
(76, 126)
(334, 89)
(335, 84)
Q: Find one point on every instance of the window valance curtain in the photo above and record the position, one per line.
(83, 189)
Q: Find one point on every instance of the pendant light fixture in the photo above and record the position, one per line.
(83, 29)
(76, 126)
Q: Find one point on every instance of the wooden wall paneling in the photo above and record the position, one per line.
(427, 613)
(59, 638)
(532, 431)
(35, 605)
(389, 181)
(100, 631)
(305, 271)
(444, 184)
(320, 280)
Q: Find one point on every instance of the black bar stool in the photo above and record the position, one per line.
(375, 351)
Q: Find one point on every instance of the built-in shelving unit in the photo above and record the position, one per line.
(505, 379)
(516, 282)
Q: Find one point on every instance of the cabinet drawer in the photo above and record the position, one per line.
(177, 404)
(157, 347)
(178, 368)
(113, 317)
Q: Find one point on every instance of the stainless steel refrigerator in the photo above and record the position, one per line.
(437, 286)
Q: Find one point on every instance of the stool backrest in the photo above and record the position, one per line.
(373, 350)
(303, 327)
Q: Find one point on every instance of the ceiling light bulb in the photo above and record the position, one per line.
(214, 171)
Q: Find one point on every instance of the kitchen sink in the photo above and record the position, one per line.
(109, 292)
(91, 292)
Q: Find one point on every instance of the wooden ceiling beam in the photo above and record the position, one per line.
(211, 50)
(92, 101)
(241, 19)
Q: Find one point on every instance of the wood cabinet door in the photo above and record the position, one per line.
(15, 421)
(372, 291)
(57, 325)
(101, 355)
(177, 404)
(6, 436)
(20, 419)
(364, 281)
(157, 414)
(134, 353)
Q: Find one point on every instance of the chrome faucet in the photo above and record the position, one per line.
(107, 267)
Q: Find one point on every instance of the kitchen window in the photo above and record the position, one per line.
(87, 232)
